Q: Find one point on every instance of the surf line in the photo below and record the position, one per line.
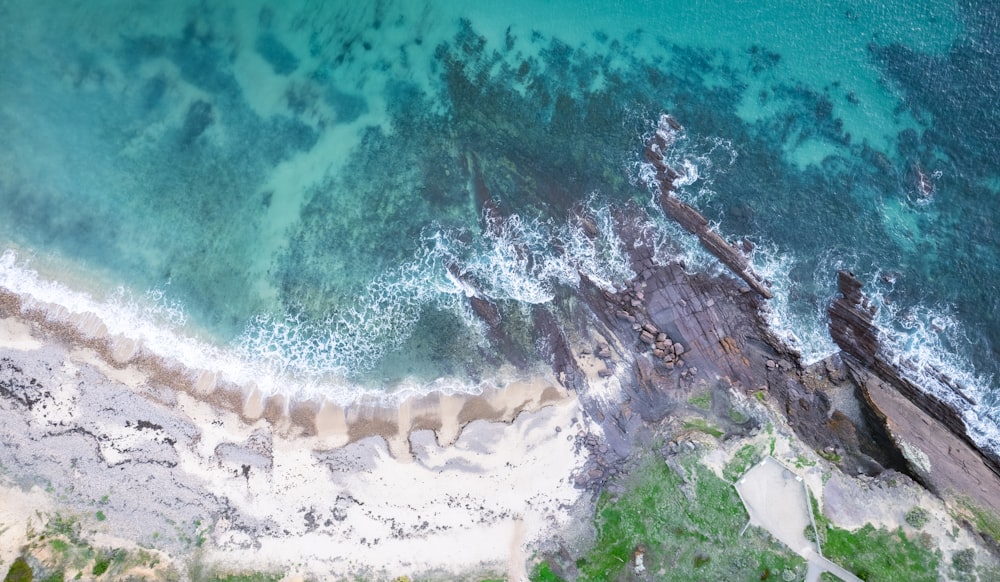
(689, 218)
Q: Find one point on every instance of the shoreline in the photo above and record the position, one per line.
(491, 471)
(391, 415)
(384, 489)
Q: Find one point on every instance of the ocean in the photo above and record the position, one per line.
(293, 192)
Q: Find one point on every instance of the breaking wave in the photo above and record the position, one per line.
(515, 260)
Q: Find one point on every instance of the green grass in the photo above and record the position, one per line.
(802, 462)
(702, 400)
(916, 517)
(100, 515)
(982, 519)
(59, 546)
(880, 555)
(688, 527)
(702, 425)
(73, 557)
(744, 458)
(876, 555)
(543, 573)
(68, 527)
(19, 571)
(832, 457)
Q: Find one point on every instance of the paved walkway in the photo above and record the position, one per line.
(776, 500)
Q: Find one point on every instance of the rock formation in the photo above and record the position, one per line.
(689, 218)
(929, 431)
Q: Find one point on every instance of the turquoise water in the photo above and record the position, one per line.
(298, 182)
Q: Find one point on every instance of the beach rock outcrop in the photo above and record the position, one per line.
(924, 422)
(689, 218)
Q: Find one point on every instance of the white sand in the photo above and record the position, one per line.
(16, 335)
(313, 496)
(17, 513)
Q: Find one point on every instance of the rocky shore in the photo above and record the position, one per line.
(196, 474)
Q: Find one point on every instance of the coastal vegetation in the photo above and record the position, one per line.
(677, 518)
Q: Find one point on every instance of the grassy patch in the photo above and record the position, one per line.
(19, 571)
(744, 458)
(101, 566)
(63, 553)
(688, 526)
(543, 573)
(702, 425)
(982, 519)
(737, 416)
(802, 462)
(702, 400)
(916, 517)
(881, 555)
(830, 456)
(877, 555)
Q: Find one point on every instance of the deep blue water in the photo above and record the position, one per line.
(298, 177)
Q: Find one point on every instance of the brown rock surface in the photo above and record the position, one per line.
(929, 432)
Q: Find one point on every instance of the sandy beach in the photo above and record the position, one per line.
(176, 460)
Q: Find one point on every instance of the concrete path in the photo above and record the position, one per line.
(776, 500)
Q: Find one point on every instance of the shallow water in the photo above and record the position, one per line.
(292, 183)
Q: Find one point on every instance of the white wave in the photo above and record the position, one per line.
(697, 162)
(519, 261)
(925, 343)
(154, 320)
(805, 333)
(516, 260)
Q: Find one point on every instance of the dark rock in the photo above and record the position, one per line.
(589, 228)
(486, 311)
(915, 415)
(692, 221)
